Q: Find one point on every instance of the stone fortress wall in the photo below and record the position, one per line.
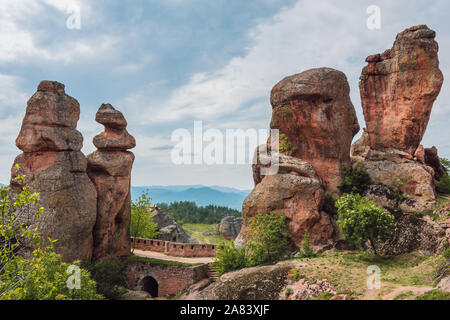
(174, 248)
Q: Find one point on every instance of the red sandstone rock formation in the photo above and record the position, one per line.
(55, 168)
(296, 193)
(398, 88)
(110, 169)
(432, 160)
(314, 111)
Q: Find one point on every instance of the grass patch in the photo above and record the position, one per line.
(404, 295)
(347, 270)
(434, 295)
(196, 231)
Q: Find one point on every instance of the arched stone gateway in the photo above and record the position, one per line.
(150, 285)
(160, 279)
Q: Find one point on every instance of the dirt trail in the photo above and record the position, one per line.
(399, 290)
(162, 256)
(374, 293)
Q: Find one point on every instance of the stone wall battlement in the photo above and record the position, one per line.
(174, 248)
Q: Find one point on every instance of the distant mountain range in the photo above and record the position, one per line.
(200, 194)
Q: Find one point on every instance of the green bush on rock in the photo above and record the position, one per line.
(355, 182)
(361, 220)
(268, 240)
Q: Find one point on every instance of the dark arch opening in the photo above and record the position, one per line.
(151, 286)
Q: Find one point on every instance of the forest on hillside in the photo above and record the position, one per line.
(189, 212)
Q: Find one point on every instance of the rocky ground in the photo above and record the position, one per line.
(332, 275)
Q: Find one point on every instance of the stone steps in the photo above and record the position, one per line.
(212, 273)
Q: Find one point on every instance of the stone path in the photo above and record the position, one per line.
(162, 256)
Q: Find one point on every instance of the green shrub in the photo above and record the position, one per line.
(288, 292)
(435, 294)
(307, 251)
(228, 258)
(268, 238)
(356, 182)
(443, 186)
(286, 146)
(361, 220)
(109, 275)
(47, 279)
(446, 253)
(43, 275)
(295, 275)
(325, 296)
(267, 243)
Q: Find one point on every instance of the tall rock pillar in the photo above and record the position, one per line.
(55, 168)
(110, 170)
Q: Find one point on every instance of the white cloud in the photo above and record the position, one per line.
(305, 36)
(11, 97)
(21, 31)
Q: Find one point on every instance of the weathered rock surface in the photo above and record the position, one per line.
(296, 193)
(169, 229)
(313, 289)
(109, 168)
(56, 169)
(257, 283)
(415, 232)
(398, 170)
(398, 88)
(314, 111)
(230, 227)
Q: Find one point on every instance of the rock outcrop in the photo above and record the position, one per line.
(109, 168)
(294, 192)
(230, 227)
(400, 171)
(398, 88)
(55, 167)
(313, 109)
(168, 228)
(257, 283)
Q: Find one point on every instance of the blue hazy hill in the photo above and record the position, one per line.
(201, 195)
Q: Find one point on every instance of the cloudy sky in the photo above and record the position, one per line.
(167, 63)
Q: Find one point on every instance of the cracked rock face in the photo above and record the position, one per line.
(296, 193)
(55, 167)
(110, 170)
(313, 109)
(398, 88)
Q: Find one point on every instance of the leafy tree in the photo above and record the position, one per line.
(443, 186)
(43, 275)
(356, 182)
(142, 224)
(228, 258)
(109, 274)
(268, 238)
(361, 220)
